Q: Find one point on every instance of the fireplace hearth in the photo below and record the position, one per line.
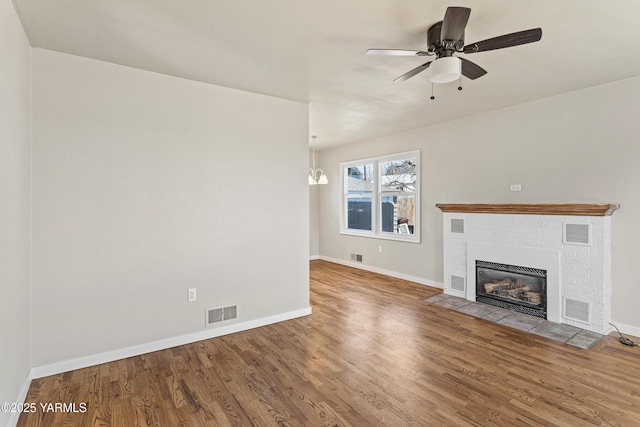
(516, 288)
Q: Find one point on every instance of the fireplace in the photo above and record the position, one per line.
(570, 245)
(517, 288)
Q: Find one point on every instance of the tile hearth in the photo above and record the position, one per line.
(559, 332)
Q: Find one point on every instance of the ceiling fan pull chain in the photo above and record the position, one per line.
(460, 83)
(432, 97)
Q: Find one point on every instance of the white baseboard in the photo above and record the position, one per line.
(110, 356)
(313, 257)
(390, 273)
(22, 396)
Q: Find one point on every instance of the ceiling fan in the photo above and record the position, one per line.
(445, 39)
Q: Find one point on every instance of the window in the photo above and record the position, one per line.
(381, 197)
(359, 196)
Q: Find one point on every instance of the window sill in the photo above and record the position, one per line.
(371, 235)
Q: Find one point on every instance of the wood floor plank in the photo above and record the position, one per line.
(372, 353)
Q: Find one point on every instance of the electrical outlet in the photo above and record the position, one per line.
(516, 187)
(380, 249)
(192, 294)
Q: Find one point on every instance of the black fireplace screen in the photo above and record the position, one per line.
(516, 288)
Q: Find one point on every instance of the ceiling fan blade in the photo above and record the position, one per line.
(507, 40)
(471, 70)
(397, 52)
(413, 72)
(454, 22)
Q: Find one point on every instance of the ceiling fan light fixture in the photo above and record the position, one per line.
(446, 69)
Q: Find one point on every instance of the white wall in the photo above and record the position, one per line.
(15, 206)
(579, 147)
(145, 185)
(314, 221)
(314, 224)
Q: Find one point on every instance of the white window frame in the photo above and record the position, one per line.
(376, 198)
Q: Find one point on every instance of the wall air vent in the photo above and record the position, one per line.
(457, 283)
(457, 225)
(577, 310)
(215, 315)
(356, 257)
(577, 234)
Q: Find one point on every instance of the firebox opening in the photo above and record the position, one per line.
(516, 288)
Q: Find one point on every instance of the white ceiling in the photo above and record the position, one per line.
(312, 51)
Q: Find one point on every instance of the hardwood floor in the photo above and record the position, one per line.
(372, 353)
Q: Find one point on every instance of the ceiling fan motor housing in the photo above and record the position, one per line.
(435, 44)
(433, 36)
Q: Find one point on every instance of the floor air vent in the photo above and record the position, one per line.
(576, 310)
(215, 315)
(457, 283)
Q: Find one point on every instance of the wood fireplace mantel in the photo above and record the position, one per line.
(575, 209)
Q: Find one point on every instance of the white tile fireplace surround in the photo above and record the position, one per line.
(572, 242)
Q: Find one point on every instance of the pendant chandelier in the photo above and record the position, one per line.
(313, 172)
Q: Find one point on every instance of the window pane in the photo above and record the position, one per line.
(398, 175)
(359, 213)
(360, 179)
(397, 214)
